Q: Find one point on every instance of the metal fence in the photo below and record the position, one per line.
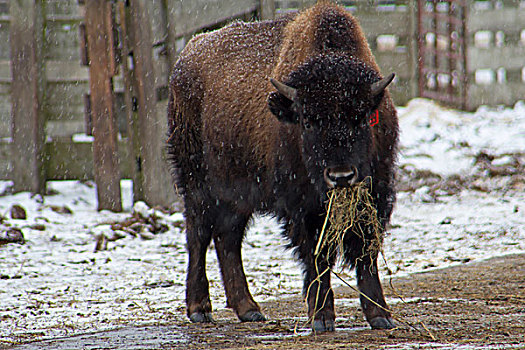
(46, 113)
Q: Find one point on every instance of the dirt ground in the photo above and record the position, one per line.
(473, 306)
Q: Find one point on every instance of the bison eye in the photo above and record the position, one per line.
(307, 125)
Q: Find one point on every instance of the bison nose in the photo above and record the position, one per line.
(340, 176)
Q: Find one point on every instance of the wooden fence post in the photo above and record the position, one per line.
(133, 131)
(157, 186)
(28, 83)
(101, 70)
(413, 90)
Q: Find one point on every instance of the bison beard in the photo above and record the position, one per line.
(268, 117)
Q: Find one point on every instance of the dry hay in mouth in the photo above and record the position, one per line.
(350, 210)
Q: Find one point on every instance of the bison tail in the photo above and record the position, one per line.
(184, 143)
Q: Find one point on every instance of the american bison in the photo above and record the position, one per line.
(267, 117)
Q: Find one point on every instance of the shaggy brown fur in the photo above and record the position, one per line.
(232, 157)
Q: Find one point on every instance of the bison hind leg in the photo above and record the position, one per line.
(228, 236)
(198, 238)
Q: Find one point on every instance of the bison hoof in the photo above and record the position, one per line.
(382, 323)
(320, 326)
(252, 316)
(200, 317)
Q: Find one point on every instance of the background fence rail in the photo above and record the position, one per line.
(495, 75)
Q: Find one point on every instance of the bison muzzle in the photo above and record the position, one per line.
(267, 117)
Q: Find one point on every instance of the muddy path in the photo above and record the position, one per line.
(473, 306)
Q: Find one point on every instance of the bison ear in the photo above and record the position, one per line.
(281, 101)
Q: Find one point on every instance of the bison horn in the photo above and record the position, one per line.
(379, 86)
(287, 91)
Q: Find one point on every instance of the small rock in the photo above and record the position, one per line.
(159, 284)
(12, 235)
(145, 235)
(38, 198)
(423, 194)
(116, 235)
(18, 212)
(137, 227)
(446, 221)
(142, 209)
(61, 209)
(38, 227)
(102, 243)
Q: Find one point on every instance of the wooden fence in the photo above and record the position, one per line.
(495, 52)
(46, 116)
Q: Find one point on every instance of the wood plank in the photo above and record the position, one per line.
(503, 19)
(56, 71)
(152, 126)
(26, 38)
(159, 25)
(65, 101)
(5, 50)
(65, 8)
(64, 128)
(68, 160)
(5, 160)
(401, 90)
(66, 71)
(394, 62)
(306, 3)
(105, 156)
(5, 71)
(133, 144)
(62, 41)
(495, 94)
(5, 115)
(187, 17)
(267, 9)
(161, 69)
(5, 88)
(508, 57)
(380, 23)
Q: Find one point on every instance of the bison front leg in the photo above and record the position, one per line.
(317, 288)
(320, 297)
(369, 284)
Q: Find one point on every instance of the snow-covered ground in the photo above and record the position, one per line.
(462, 200)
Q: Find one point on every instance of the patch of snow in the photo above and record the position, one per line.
(445, 141)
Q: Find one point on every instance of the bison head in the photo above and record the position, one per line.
(330, 98)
